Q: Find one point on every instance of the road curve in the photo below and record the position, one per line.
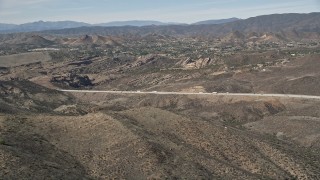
(186, 93)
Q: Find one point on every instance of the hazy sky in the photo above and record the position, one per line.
(186, 11)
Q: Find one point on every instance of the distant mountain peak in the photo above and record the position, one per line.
(41, 25)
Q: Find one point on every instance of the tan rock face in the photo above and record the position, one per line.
(200, 63)
(143, 60)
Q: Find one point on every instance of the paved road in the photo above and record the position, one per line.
(186, 93)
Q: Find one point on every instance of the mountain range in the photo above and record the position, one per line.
(218, 21)
(137, 23)
(40, 26)
(48, 25)
(293, 24)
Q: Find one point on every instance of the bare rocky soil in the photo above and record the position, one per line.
(48, 134)
(160, 137)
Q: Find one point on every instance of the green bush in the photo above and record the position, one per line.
(2, 142)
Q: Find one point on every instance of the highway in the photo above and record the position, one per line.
(200, 93)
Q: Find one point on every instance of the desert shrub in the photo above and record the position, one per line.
(2, 142)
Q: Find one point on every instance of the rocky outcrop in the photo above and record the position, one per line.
(143, 60)
(4, 70)
(72, 80)
(7, 90)
(200, 63)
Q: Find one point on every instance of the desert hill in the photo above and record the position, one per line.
(91, 40)
(159, 136)
(28, 39)
(17, 96)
